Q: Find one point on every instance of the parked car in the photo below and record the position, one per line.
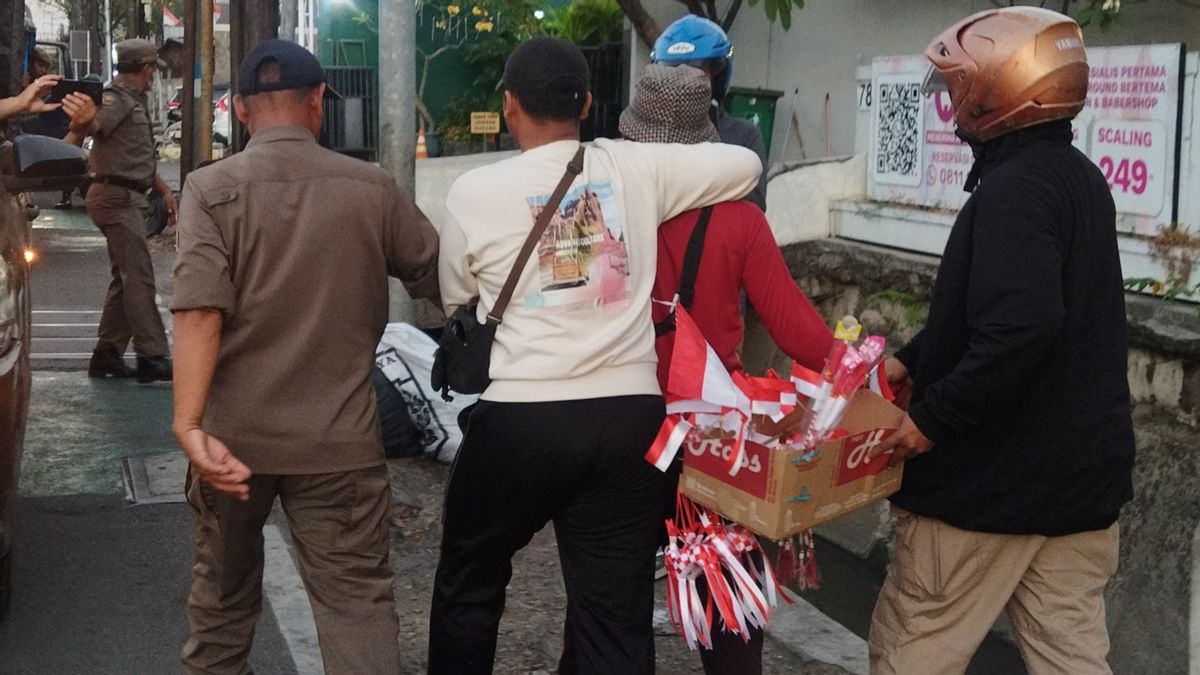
(175, 106)
(222, 125)
(28, 163)
(221, 128)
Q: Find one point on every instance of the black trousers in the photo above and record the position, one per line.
(581, 465)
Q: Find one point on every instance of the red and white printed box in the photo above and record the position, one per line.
(779, 493)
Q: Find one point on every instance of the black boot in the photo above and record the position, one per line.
(108, 362)
(153, 368)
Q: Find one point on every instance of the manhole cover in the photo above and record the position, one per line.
(154, 479)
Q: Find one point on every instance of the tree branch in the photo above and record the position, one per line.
(711, 7)
(693, 7)
(644, 24)
(423, 111)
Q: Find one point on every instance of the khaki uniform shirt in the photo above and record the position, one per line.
(123, 146)
(293, 243)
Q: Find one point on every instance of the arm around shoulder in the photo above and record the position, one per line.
(694, 176)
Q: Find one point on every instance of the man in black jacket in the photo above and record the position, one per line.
(1018, 441)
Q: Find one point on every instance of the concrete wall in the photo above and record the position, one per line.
(1149, 599)
(830, 38)
(435, 176)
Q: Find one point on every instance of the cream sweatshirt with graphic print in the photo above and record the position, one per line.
(579, 324)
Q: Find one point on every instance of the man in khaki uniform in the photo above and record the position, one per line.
(281, 297)
(124, 163)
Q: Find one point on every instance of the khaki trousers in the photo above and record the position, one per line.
(947, 587)
(339, 528)
(130, 309)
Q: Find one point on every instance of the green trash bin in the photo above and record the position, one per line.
(757, 106)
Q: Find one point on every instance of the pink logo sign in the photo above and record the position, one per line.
(854, 464)
(945, 111)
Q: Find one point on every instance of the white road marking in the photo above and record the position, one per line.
(289, 603)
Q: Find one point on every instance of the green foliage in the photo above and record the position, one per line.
(587, 23)
(456, 116)
(916, 310)
(487, 58)
(1105, 14)
(1160, 288)
(1177, 250)
(779, 10)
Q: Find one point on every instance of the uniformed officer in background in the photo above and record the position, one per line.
(124, 158)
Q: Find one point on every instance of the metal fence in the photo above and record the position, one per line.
(607, 68)
(352, 122)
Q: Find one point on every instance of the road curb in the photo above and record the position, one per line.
(811, 636)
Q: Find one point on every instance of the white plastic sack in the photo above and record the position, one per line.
(405, 355)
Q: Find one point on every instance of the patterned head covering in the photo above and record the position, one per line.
(670, 106)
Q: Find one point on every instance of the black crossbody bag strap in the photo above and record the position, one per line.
(691, 267)
(574, 168)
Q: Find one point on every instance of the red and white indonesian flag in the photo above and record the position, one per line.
(808, 382)
(877, 382)
(697, 374)
(698, 384)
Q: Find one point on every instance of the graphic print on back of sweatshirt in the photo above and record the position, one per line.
(582, 259)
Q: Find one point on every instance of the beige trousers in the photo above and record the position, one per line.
(340, 531)
(946, 588)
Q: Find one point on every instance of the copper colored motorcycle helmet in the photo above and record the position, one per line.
(1006, 69)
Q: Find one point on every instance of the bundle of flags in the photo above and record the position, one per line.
(846, 369)
(715, 567)
(718, 566)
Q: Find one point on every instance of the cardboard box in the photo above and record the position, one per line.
(779, 493)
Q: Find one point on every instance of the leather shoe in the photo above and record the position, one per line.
(106, 362)
(154, 368)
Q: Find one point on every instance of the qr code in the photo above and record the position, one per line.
(898, 138)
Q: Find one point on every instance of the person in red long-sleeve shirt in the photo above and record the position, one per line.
(739, 253)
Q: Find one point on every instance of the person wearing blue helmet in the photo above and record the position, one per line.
(701, 43)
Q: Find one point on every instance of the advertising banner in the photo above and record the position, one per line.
(1129, 128)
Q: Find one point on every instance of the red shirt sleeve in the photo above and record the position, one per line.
(787, 313)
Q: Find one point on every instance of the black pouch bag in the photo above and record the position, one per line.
(464, 354)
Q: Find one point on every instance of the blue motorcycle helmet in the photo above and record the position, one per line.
(701, 43)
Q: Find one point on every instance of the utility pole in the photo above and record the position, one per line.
(197, 85)
(207, 64)
(250, 22)
(108, 46)
(288, 16)
(397, 114)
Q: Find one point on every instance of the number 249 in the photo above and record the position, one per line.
(1125, 174)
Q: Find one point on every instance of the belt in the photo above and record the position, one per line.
(128, 183)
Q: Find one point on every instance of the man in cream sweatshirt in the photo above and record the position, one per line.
(574, 403)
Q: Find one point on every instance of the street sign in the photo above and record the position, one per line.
(485, 122)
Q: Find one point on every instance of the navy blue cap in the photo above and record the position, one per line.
(298, 68)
